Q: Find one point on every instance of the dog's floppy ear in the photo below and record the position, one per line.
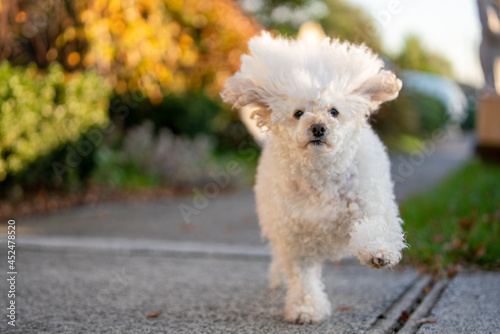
(240, 92)
(381, 88)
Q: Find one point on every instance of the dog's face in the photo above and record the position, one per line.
(315, 96)
(312, 126)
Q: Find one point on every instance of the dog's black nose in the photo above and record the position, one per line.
(318, 129)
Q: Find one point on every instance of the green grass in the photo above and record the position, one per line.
(115, 170)
(458, 222)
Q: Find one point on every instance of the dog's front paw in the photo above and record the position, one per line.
(376, 243)
(305, 315)
(308, 311)
(300, 318)
(380, 259)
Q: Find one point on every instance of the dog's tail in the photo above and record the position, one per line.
(259, 134)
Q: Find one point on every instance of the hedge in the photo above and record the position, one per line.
(41, 111)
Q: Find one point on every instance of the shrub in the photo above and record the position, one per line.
(187, 114)
(154, 46)
(145, 159)
(431, 112)
(157, 46)
(411, 117)
(41, 112)
(179, 160)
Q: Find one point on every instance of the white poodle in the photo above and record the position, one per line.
(323, 183)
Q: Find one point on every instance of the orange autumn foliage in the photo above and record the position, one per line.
(154, 46)
(160, 46)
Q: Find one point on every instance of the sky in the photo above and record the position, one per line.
(447, 27)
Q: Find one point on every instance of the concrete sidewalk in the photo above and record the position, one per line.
(102, 269)
(96, 291)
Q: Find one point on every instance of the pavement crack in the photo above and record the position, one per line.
(424, 308)
(400, 311)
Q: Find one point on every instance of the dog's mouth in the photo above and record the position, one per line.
(317, 142)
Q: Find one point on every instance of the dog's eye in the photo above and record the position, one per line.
(298, 113)
(334, 112)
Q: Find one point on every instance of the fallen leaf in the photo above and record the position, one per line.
(480, 251)
(453, 270)
(345, 308)
(453, 245)
(438, 238)
(153, 314)
(187, 227)
(466, 224)
(426, 321)
(404, 316)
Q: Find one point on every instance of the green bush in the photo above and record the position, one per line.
(42, 112)
(116, 170)
(412, 117)
(189, 114)
(431, 112)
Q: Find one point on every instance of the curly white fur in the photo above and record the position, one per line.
(319, 200)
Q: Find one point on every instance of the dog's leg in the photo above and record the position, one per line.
(377, 242)
(276, 273)
(306, 300)
(376, 235)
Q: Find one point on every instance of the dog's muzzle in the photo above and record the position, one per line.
(318, 131)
